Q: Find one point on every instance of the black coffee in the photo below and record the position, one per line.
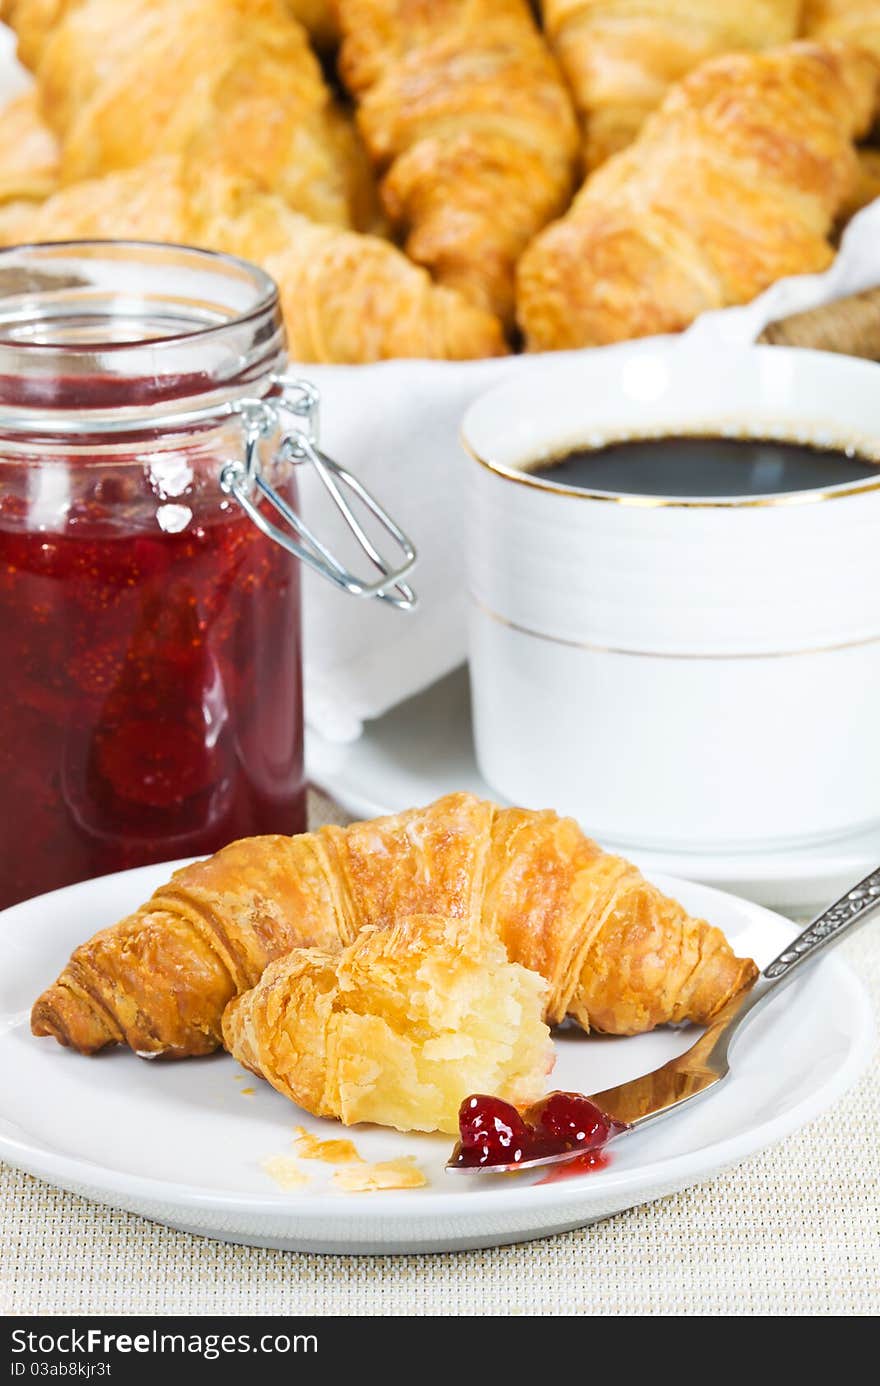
(694, 466)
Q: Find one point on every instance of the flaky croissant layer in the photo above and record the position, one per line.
(121, 81)
(398, 1028)
(621, 56)
(733, 183)
(616, 953)
(346, 297)
(468, 119)
(28, 152)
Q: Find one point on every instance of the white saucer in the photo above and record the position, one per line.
(185, 1143)
(424, 748)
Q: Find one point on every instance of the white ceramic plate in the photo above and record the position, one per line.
(182, 1144)
(424, 748)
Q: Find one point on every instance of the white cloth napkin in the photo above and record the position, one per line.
(396, 426)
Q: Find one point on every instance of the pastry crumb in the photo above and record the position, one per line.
(389, 1174)
(334, 1152)
(285, 1171)
(247, 1092)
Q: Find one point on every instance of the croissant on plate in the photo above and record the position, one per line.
(346, 297)
(465, 113)
(616, 953)
(733, 183)
(621, 56)
(232, 81)
(397, 1028)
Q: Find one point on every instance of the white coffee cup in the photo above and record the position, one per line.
(693, 673)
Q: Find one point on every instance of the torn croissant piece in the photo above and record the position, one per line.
(465, 113)
(617, 954)
(734, 183)
(621, 56)
(397, 1028)
(28, 151)
(235, 81)
(346, 297)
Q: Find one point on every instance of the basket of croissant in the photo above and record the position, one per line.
(445, 191)
(458, 180)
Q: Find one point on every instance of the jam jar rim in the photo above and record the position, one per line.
(187, 392)
(261, 278)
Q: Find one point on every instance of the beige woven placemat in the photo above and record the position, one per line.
(795, 1230)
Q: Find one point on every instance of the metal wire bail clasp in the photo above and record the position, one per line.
(244, 480)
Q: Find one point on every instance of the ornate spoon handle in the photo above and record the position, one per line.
(828, 928)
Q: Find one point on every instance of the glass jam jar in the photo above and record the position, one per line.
(150, 670)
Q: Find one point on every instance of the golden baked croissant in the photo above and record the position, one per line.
(621, 56)
(855, 21)
(229, 80)
(463, 110)
(318, 17)
(28, 151)
(867, 187)
(732, 184)
(618, 955)
(33, 22)
(397, 1028)
(346, 297)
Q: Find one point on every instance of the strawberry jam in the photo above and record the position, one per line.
(588, 1163)
(150, 682)
(150, 700)
(493, 1132)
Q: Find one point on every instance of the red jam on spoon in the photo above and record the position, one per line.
(493, 1132)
